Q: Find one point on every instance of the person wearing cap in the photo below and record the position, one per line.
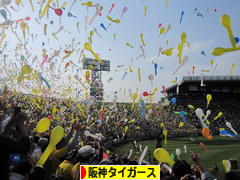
(86, 151)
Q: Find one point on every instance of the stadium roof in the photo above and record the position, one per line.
(210, 78)
(193, 89)
(205, 79)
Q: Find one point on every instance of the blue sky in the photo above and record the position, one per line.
(203, 33)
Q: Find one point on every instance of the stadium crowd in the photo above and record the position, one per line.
(113, 124)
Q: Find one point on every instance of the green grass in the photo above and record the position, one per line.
(219, 148)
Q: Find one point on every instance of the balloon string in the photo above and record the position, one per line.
(165, 140)
(51, 8)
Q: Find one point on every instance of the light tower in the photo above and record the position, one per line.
(96, 85)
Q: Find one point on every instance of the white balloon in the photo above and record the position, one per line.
(185, 60)
(185, 149)
(208, 112)
(87, 133)
(229, 125)
(150, 77)
(199, 113)
(178, 152)
(107, 118)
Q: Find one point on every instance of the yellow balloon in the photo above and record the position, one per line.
(18, 2)
(139, 75)
(231, 70)
(162, 155)
(54, 110)
(142, 39)
(180, 46)
(174, 81)
(46, 8)
(227, 165)
(88, 47)
(219, 50)
(145, 10)
(89, 4)
(165, 132)
(162, 30)
(208, 122)
(28, 77)
(183, 37)
(219, 115)
(130, 69)
(35, 91)
(168, 52)
(55, 137)
(134, 97)
(132, 121)
(43, 125)
(191, 106)
(181, 124)
(113, 20)
(26, 69)
(23, 26)
(155, 90)
(20, 78)
(209, 98)
(211, 61)
(128, 44)
(87, 73)
(226, 22)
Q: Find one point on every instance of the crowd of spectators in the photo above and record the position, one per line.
(113, 123)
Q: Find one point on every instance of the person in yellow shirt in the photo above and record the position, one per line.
(63, 147)
(76, 171)
(67, 169)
